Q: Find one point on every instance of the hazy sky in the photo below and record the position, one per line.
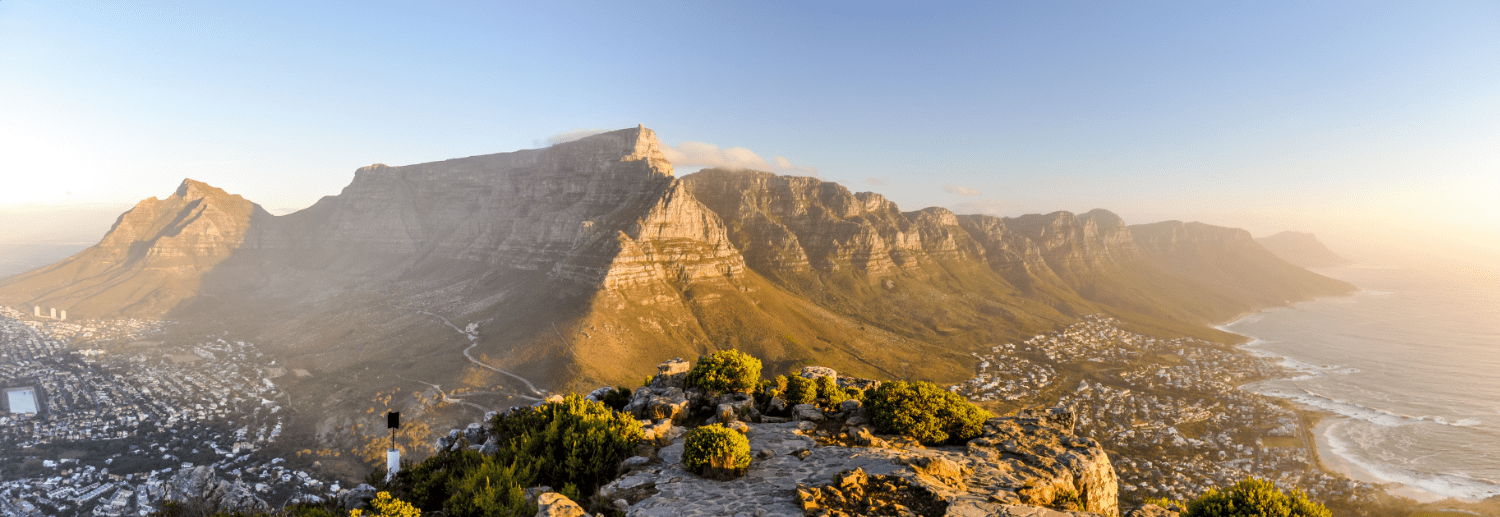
(1268, 115)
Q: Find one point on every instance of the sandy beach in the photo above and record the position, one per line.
(1334, 463)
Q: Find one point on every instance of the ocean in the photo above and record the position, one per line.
(1411, 366)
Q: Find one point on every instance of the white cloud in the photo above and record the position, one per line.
(877, 181)
(980, 206)
(960, 190)
(569, 136)
(700, 154)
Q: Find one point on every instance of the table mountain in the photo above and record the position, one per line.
(576, 264)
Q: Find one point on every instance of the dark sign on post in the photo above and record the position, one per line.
(393, 420)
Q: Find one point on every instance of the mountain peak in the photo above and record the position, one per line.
(194, 189)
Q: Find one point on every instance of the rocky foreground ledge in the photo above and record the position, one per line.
(829, 462)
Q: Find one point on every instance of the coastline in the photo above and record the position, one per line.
(1329, 461)
(1333, 463)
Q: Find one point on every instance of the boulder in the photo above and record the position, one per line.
(807, 412)
(671, 374)
(599, 394)
(357, 498)
(726, 414)
(491, 446)
(941, 471)
(814, 372)
(862, 437)
(850, 406)
(553, 504)
(474, 433)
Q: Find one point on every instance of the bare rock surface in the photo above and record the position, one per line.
(202, 484)
(1019, 465)
(553, 504)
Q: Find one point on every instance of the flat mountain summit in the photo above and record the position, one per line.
(575, 265)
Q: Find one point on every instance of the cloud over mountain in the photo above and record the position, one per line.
(960, 190)
(701, 154)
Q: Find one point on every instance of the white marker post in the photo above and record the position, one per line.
(392, 456)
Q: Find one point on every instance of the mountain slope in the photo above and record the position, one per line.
(1302, 249)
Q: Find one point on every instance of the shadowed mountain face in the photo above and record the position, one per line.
(1302, 249)
(588, 262)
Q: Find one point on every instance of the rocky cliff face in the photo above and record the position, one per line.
(788, 224)
(602, 209)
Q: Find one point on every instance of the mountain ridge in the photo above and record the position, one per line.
(582, 261)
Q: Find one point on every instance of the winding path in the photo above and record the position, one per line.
(473, 342)
(446, 398)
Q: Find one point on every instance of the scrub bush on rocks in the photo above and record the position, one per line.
(575, 441)
(831, 393)
(924, 411)
(716, 452)
(799, 390)
(1254, 497)
(725, 371)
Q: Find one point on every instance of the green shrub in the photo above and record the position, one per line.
(618, 398)
(576, 444)
(1067, 500)
(1254, 497)
(492, 489)
(923, 411)
(725, 371)
(429, 484)
(855, 393)
(717, 452)
(830, 392)
(799, 390)
(574, 441)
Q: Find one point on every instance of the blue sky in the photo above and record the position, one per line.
(1266, 115)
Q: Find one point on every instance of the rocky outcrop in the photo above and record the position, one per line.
(1035, 459)
(201, 486)
(1029, 464)
(788, 457)
(854, 493)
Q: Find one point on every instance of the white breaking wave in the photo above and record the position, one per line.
(1446, 485)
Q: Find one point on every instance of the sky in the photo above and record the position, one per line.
(1339, 117)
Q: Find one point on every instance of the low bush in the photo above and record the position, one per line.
(618, 398)
(574, 441)
(575, 444)
(493, 488)
(830, 392)
(383, 505)
(799, 390)
(924, 411)
(717, 452)
(1254, 497)
(725, 371)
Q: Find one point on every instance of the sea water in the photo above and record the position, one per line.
(1411, 366)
